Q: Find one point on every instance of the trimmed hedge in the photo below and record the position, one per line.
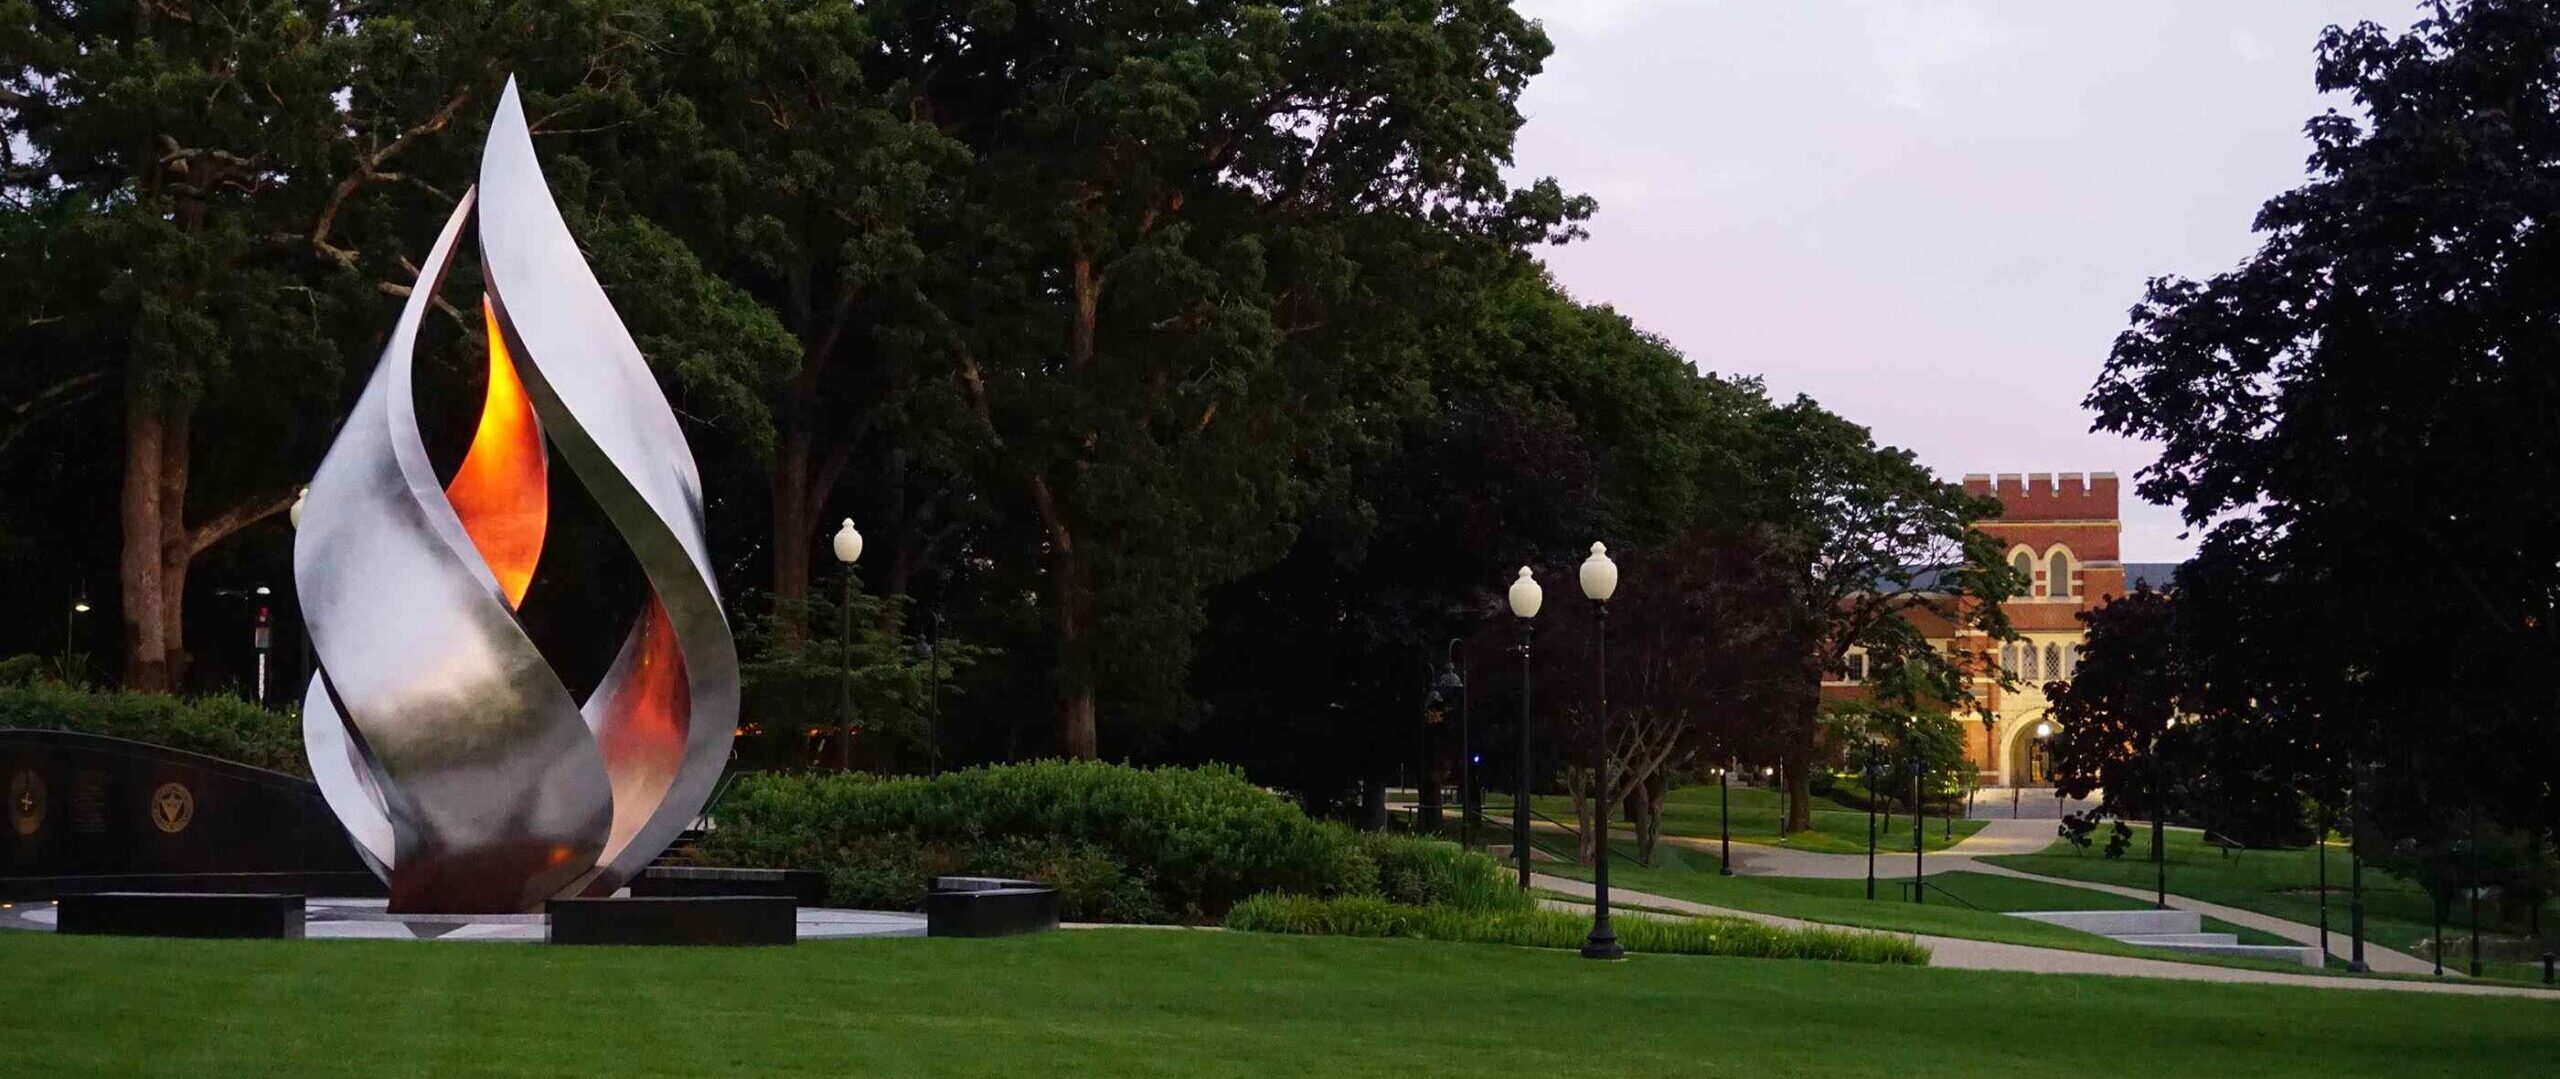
(1538, 927)
(216, 726)
(1120, 843)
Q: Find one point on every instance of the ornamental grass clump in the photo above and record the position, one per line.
(1538, 927)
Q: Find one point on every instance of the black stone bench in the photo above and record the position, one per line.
(807, 887)
(988, 907)
(181, 914)
(716, 919)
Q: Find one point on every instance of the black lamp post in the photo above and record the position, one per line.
(2159, 815)
(1919, 820)
(1724, 819)
(1453, 683)
(2355, 868)
(1873, 767)
(1525, 598)
(2471, 882)
(933, 690)
(848, 548)
(1599, 582)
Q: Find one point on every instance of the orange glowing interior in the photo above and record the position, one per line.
(502, 491)
(643, 733)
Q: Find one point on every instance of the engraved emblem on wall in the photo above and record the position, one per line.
(26, 801)
(173, 806)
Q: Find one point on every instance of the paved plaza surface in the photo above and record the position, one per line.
(365, 919)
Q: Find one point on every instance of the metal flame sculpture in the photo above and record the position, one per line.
(463, 768)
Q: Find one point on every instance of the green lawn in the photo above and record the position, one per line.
(1177, 1004)
(1693, 877)
(2284, 883)
(1691, 811)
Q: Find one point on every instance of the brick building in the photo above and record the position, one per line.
(2061, 531)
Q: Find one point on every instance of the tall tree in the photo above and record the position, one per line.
(1179, 220)
(1876, 553)
(228, 199)
(2362, 407)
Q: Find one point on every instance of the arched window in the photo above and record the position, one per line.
(2028, 660)
(2053, 662)
(2058, 568)
(2009, 660)
(2025, 564)
(2070, 660)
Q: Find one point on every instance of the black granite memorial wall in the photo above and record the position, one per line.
(87, 813)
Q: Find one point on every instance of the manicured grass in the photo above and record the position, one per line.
(2284, 883)
(1693, 877)
(1691, 811)
(1177, 1004)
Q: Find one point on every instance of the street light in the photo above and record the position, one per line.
(1599, 582)
(1919, 821)
(1525, 598)
(293, 517)
(71, 632)
(848, 549)
(1873, 766)
(1724, 819)
(1453, 682)
(2355, 868)
(2159, 835)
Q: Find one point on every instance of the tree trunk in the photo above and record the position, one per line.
(146, 623)
(1578, 783)
(177, 545)
(1072, 584)
(1800, 793)
(794, 536)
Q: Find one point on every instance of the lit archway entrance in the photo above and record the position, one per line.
(2028, 764)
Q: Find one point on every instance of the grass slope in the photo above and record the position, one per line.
(2284, 883)
(1177, 1004)
(1692, 876)
(1692, 811)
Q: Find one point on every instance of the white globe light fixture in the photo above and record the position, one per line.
(293, 513)
(848, 543)
(1526, 597)
(2044, 730)
(1599, 575)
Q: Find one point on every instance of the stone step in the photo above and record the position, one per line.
(2179, 938)
(2109, 923)
(2306, 954)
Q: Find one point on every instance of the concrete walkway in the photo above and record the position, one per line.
(1963, 954)
(2028, 836)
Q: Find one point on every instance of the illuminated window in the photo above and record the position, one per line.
(1857, 664)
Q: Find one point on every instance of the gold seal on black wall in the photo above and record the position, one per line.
(26, 801)
(172, 806)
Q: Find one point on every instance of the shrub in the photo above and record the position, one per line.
(1121, 843)
(1538, 927)
(225, 727)
(1427, 872)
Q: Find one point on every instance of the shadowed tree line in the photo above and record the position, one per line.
(2358, 417)
(1186, 366)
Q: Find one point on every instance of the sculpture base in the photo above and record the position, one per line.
(807, 887)
(182, 914)
(723, 920)
(988, 907)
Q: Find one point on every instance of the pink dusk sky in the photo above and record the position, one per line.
(1929, 215)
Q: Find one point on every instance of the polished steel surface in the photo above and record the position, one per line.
(444, 741)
